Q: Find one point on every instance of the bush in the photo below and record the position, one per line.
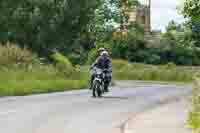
(92, 56)
(12, 55)
(106, 45)
(119, 50)
(153, 59)
(170, 65)
(135, 49)
(78, 58)
(118, 64)
(59, 58)
(62, 64)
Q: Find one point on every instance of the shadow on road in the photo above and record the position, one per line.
(115, 97)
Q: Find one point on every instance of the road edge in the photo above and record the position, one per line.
(126, 127)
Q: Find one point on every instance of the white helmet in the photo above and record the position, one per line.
(101, 50)
(104, 53)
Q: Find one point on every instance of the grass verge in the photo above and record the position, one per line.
(194, 115)
(22, 72)
(23, 82)
(127, 71)
(46, 79)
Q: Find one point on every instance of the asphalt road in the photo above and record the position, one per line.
(78, 112)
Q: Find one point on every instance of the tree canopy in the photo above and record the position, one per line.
(192, 9)
(42, 24)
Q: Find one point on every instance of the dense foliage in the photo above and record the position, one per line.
(191, 10)
(43, 25)
(176, 45)
(77, 28)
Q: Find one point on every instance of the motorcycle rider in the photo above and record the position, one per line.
(102, 62)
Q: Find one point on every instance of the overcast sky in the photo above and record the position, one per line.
(164, 11)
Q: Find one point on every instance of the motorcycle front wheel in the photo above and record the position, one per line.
(96, 91)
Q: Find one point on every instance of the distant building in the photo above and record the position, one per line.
(142, 15)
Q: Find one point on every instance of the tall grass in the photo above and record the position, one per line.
(38, 80)
(12, 55)
(122, 70)
(22, 73)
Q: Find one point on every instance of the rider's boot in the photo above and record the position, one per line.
(91, 82)
(90, 88)
(106, 88)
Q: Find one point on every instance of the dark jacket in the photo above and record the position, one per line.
(102, 62)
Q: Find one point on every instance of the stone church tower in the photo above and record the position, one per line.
(142, 16)
(148, 17)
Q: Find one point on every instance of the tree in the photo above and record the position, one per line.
(172, 26)
(43, 25)
(191, 10)
(111, 15)
(178, 45)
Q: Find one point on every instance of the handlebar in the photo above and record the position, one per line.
(104, 70)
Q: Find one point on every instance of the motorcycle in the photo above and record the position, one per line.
(100, 82)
